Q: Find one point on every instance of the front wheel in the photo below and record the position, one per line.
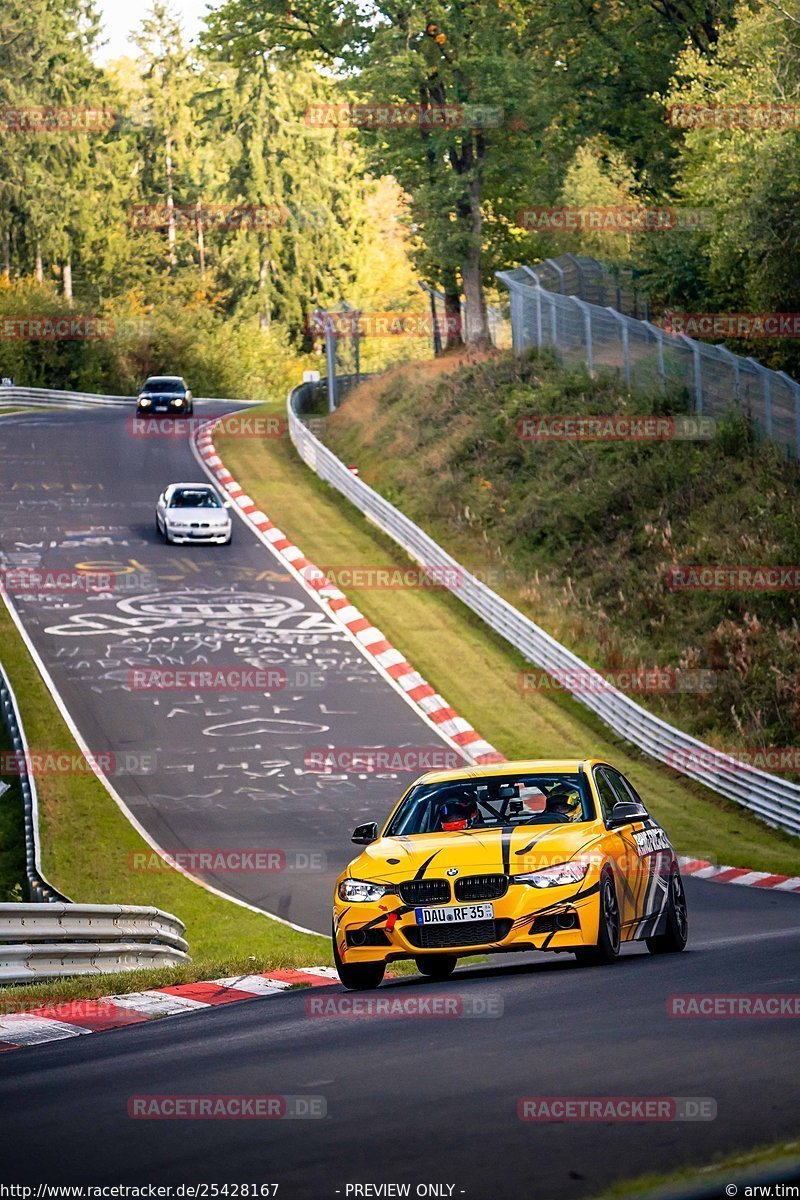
(440, 967)
(675, 936)
(608, 940)
(358, 977)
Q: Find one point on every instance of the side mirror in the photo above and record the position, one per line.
(627, 812)
(364, 835)
(161, 499)
(227, 504)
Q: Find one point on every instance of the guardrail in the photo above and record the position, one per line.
(39, 889)
(775, 800)
(47, 397)
(45, 942)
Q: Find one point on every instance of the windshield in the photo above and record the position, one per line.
(164, 385)
(493, 803)
(194, 498)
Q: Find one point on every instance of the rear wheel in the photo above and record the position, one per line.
(675, 936)
(358, 977)
(440, 967)
(609, 937)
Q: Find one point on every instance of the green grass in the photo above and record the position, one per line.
(88, 843)
(724, 1170)
(12, 834)
(475, 670)
(581, 535)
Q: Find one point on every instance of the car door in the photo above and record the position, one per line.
(648, 860)
(616, 844)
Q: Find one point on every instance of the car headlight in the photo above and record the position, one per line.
(179, 400)
(358, 890)
(563, 873)
(144, 401)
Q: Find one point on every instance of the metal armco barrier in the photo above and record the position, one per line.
(38, 888)
(48, 397)
(775, 800)
(46, 941)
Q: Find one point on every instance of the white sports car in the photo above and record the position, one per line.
(193, 512)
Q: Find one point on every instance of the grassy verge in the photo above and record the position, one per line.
(722, 1171)
(475, 670)
(88, 843)
(584, 535)
(12, 834)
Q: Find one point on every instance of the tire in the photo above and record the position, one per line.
(358, 977)
(440, 967)
(609, 936)
(161, 533)
(674, 938)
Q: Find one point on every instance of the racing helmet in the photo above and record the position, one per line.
(459, 813)
(565, 799)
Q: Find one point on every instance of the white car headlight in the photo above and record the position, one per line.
(144, 401)
(359, 891)
(558, 876)
(179, 400)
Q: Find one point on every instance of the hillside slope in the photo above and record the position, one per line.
(582, 535)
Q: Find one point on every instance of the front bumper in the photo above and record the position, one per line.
(526, 918)
(163, 410)
(183, 537)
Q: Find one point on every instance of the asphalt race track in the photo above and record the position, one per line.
(434, 1100)
(407, 1099)
(210, 771)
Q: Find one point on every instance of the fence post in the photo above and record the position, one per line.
(734, 359)
(559, 270)
(587, 325)
(622, 321)
(330, 361)
(766, 380)
(695, 348)
(658, 334)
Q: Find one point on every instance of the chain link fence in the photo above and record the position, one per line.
(574, 307)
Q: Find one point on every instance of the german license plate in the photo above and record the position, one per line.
(448, 916)
(161, 408)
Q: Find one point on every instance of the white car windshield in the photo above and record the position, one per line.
(194, 498)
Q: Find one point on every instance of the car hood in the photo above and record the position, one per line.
(212, 515)
(497, 851)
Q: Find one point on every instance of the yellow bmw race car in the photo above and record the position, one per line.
(559, 856)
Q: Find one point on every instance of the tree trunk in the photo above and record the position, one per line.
(39, 266)
(66, 275)
(201, 244)
(264, 316)
(7, 253)
(454, 334)
(170, 203)
(476, 321)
